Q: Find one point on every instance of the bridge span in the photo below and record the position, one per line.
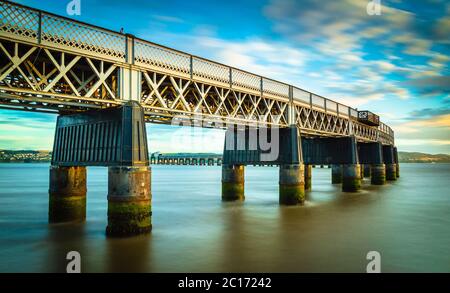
(104, 86)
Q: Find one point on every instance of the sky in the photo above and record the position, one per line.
(395, 64)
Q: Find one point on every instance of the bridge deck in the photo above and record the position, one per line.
(55, 64)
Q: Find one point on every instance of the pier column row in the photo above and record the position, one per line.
(233, 182)
(67, 194)
(129, 201)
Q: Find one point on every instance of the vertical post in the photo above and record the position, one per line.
(351, 171)
(232, 182)
(261, 86)
(336, 174)
(291, 110)
(129, 201)
(292, 184)
(377, 169)
(308, 176)
(388, 157)
(292, 170)
(351, 177)
(39, 32)
(231, 77)
(129, 55)
(397, 164)
(367, 170)
(378, 174)
(67, 194)
(191, 66)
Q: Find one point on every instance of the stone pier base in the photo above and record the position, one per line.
(391, 174)
(351, 177)
(378, 174)
(292, 184)
(336, 174)
(129, 201)
(67, 194)
(397, 165)
(232, 182)
(308, 177)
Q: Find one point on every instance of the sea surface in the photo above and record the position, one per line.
(407, 222)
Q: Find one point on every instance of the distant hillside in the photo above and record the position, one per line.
(407, 157)
(24, 156)
(7, 156)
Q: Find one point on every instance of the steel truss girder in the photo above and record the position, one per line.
(34, 77)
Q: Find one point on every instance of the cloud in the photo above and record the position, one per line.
(429, 112)
(442, 29)
(166, 18)
(422, 142)
(433, 85)
(437, 125)
(255, 55)
(343, 33)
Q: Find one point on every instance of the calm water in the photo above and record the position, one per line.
(408, 222)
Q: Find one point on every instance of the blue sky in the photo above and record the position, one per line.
(396, 64)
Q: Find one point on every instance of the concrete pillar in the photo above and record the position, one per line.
(292, 184)
(336, 174)
(232, 182)
(378, 174)
(351, 177)
(362, 171)
(129, 201)
(397, 164)
(308, 176)
(391, 174)
(367, 169)
(67, 194)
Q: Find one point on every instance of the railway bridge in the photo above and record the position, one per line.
(105, 86)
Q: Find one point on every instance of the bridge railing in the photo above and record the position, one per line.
(39, 27)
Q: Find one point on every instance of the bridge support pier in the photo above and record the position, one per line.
(232, 182)
(308, 176)
(129, 201)
(397, 164)
(292, 184)
(351, 177)
(67, 194)
(336, 174)
(389, 161)
(391, 174)
(367, 169)
(378, 172)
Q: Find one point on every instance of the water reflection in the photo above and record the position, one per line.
(193, 231)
